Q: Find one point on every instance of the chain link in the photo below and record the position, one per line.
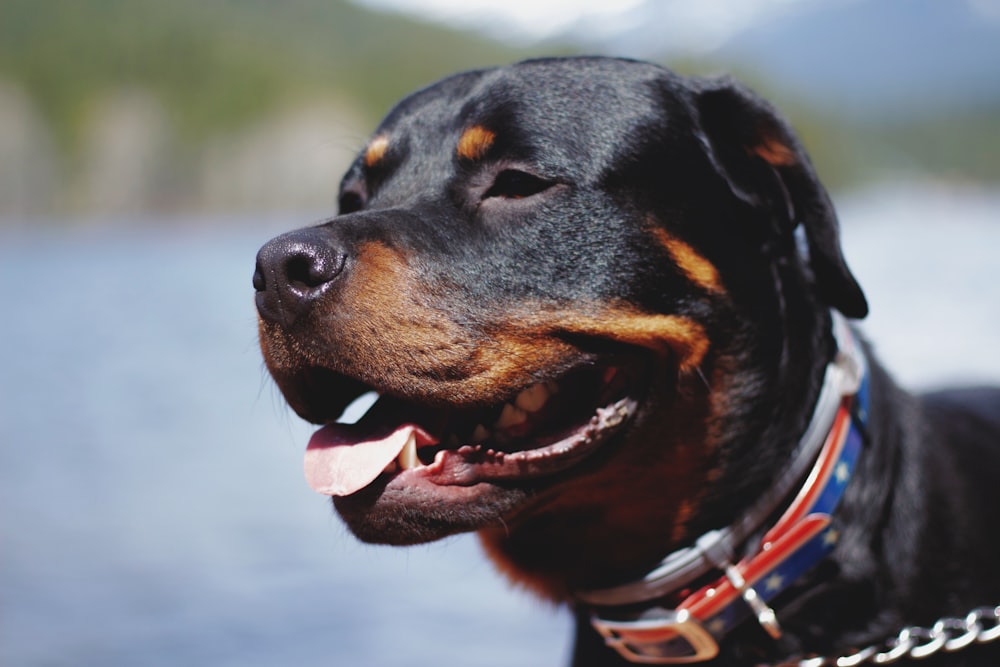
(980, 626)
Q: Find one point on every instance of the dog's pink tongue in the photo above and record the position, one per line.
(342, 459)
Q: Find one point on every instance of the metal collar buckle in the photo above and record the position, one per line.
(658, 637)
(765, 615)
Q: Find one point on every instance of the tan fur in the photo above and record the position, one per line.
(475, 142)
(377, 148)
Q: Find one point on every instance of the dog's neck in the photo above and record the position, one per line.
(843, 377)
(818, 471)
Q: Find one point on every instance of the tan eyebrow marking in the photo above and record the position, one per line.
(475, 142)
(698, 270)
(376, 150)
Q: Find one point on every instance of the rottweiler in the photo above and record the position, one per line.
(605, 311)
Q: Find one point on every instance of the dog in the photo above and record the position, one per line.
(606, 312)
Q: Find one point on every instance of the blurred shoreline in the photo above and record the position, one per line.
(116, 108)
(130, 161)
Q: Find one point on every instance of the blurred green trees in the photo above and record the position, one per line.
(216, 63)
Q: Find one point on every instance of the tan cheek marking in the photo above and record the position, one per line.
(376, 150)
(396, 322)
(698, 270)
(475, 142)
(775, 152)
(682, 336)
(666, 334)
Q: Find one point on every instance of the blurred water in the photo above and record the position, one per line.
(929, 261)
(152, 506)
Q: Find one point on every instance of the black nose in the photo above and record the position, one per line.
(293, 271)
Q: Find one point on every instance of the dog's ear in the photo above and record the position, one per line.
(754, 149)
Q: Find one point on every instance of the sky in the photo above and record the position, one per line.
(707, 23)
(533, 18)
(696, 27)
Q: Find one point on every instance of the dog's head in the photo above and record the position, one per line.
(586, 290)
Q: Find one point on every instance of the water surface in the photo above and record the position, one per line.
(152, 505)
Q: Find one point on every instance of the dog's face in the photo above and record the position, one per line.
(568, 280)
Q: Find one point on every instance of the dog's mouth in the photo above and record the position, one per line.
(544, 429)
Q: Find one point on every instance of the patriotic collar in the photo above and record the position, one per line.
(804, 535)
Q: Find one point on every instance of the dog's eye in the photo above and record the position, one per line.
(350, 202)
(514, 184)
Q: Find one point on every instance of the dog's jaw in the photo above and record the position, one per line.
(398, 482)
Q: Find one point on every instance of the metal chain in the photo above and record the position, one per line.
(980, 626)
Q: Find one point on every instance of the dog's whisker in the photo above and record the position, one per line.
(704, 380)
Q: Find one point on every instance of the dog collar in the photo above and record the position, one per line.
(803, 535)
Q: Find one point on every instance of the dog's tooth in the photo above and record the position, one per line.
(408, 456)
(511, 416)
(480, 434)
(533, 398)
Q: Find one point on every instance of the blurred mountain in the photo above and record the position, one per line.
(866, 58)
(911, 57)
